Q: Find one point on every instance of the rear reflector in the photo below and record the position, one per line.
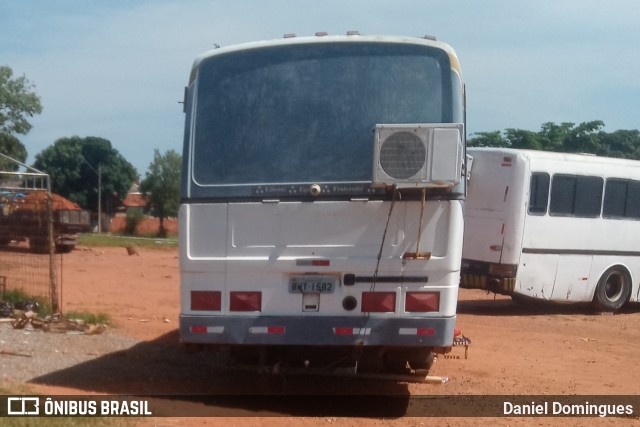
(378, 302)
(207, 329)
(313, 262)
(352, 331)
(429, 332)
(422, 302)
(245, 301)
(206, 300)
(277, 330)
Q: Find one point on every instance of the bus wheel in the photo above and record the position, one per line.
(406, 360)
(422, 359)
(395, 361)
(613, 290)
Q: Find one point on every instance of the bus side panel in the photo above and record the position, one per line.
(536, 275)
(549, 244)
(572, 278)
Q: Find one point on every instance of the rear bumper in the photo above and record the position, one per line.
(493, 277)
(499, 285)
(330, 331)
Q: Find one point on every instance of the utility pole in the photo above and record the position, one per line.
(100, 198)
(99, 173)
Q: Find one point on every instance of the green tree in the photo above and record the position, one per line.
(17, 102)
(74, 164)
(621, 143)
(584, 138)
(487, 139)
(523, 139)
(162, 186)
(552, 136)
(12, 147)
(587, 137)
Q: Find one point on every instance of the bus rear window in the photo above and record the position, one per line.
(306, 114)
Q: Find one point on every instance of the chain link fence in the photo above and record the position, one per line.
(28, 259)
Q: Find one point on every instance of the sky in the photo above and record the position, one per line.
(116, 69)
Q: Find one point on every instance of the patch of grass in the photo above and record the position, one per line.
(14, 295)
(89, 318)
(114, 240)
(44, 309)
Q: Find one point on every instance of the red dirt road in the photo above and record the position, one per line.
(551, 350)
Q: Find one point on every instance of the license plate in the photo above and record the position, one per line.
(309, 283)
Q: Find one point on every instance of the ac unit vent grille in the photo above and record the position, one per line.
(402, 155)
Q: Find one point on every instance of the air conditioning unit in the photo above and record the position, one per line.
(418, 155)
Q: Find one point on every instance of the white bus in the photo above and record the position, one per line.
(553, 226)
(322, 200)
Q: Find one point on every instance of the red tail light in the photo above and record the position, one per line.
(206, 300)
(422, 302)
(245, 301)
(378, 302)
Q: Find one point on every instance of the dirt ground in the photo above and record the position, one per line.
(549, 350)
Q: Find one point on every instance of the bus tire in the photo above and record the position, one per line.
(613, 289)
(406, 359)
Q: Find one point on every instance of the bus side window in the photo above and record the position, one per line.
(539, 193)
(615, 198)
(588, 196)
(622, 199)
(632, 209)
(579, 196)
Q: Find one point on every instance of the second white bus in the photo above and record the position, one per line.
(553, 226)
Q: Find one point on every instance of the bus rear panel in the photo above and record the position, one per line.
(321, 197)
